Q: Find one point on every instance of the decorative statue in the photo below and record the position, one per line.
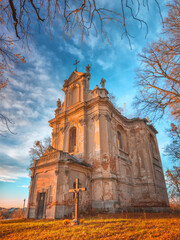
(58, 103)
(88, 68)
(102, 82)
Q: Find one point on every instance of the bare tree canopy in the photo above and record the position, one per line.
(173, 182)
(82, 15)
(5, 125)
(158, 82)
(172, 150)
(23, 18)
(158, 79)
(39, 148)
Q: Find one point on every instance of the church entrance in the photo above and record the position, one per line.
(41, 205)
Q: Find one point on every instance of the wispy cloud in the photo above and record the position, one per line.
(108, 61)
(24, 186)
(29, 101)
(30, 97)
(6, 179)
(12, 173)
(72, 50)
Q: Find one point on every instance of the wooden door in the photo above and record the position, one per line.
(41, 205)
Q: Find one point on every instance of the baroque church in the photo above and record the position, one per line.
(117, 159)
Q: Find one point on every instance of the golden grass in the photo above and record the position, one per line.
(116, 226)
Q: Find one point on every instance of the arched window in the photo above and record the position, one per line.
(72, 139)
(74, 95)
(119, 140)
(153, 146)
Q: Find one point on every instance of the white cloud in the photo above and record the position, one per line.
(30, 97)
(12, 173)
(29, 101)
(108, 62)
(72, 50)
(105, 64)
(6, 179)
(24, 186)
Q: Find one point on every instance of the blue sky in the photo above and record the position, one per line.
(30, 97)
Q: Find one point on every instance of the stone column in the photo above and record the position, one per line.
(57, 194)
(82, 138)
(29, 198)
(104, 136)
(83, 90)
(65, 99)
(62, 191)
(31, 190)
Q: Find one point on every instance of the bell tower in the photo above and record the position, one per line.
(69, 128)
(76, 88)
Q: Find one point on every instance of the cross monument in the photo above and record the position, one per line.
(77, 190)
(76, 63)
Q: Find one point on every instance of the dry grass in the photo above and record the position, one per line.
(116, 226)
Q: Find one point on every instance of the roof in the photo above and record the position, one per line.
(52, 153)
(76, 160)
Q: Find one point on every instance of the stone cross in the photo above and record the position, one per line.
(76, 63)
(77, 190)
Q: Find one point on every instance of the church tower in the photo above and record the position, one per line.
(116, 158)
(69, 128)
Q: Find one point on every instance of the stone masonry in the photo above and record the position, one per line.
(116, 158)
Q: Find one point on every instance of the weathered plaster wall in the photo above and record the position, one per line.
(124, 174)
(67, 175)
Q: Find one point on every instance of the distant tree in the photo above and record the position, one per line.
(1, 216)
(113, 99)
(5, 213)
(39, 148)
(121, 109)
(172, 150)
(18, 213)
(173, 182)
(158, 79)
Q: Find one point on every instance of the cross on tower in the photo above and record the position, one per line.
(77, 190)
(75, 64)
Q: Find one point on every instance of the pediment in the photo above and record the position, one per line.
(73, 77)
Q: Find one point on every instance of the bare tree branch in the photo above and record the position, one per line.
(6, 122)
(14, 15)
(158, 79)
(39, 148)
(173, 183)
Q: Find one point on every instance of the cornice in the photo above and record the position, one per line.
(63, 162)
(105, 101)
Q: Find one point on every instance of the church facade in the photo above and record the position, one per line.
(115, 158)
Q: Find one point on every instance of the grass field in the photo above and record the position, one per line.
(117, 226)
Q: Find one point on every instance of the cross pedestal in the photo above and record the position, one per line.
(77, 190)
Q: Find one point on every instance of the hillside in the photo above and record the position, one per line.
(127, 226)
(8, 213)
